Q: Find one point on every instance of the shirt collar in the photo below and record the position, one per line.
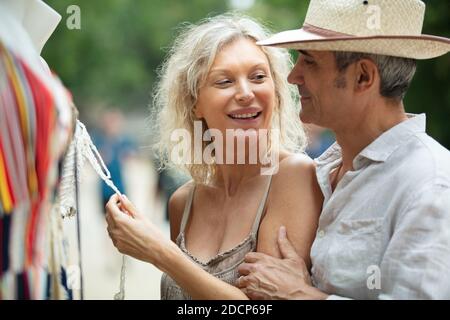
(382, 147)
(333, 153)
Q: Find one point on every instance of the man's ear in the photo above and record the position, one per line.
(366, 75)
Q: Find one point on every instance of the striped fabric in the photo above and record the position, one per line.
(30, 151)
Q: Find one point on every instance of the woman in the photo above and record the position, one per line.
(218, 79)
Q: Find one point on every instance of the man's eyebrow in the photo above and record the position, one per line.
(306, 53)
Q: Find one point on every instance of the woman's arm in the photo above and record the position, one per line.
(295, 201)
(133, 234)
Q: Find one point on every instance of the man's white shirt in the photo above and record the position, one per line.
(384, 233)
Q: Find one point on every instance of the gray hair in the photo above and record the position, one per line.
(186, 67)
(396, 73)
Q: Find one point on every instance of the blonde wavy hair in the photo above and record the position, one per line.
(186, 67)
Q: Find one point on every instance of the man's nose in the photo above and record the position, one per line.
(296, 74)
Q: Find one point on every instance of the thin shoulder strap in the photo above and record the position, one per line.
(187, 208)
(261, 207)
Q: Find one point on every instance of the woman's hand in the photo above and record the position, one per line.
(133, 234)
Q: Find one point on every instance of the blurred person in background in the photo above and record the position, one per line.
(169, 181)
(319, 140)
(115, 147)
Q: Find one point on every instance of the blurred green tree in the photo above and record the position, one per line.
(113, 59)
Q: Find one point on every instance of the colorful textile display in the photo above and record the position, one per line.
(36, 124)
(30, 151)
(37, 188)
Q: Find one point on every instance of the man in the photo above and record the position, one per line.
(384, 230)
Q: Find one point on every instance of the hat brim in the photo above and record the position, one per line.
(414, 47)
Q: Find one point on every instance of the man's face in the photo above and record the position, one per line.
(325, 94)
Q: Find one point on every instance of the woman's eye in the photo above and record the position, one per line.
(309, 62)
(260, 77)
(223, 82)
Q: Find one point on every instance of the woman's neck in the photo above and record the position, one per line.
(231, 177)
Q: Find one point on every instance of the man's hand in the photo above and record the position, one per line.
(266, 277)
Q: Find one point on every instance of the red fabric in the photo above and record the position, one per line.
(45, 122)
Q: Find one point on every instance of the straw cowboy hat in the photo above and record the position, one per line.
(385, 27)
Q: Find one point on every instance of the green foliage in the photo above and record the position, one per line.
(429, 91)
(113, 59)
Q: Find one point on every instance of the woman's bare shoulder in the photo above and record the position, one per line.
(295, 201)
(293, 186)
(296, 163)
(295, 172)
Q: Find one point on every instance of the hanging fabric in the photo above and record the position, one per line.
(80, 151)
(33, 139)
(36, 126)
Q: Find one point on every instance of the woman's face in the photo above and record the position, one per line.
(239, 92)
